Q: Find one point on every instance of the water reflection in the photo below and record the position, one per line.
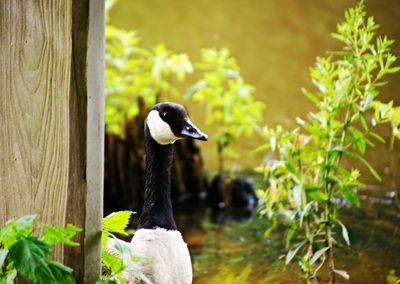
(238, 252)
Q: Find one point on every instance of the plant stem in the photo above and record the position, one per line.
(328, 241)
(225, 197)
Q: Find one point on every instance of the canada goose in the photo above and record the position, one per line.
(157, 236)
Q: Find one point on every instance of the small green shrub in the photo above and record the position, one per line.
(307, 175)
(133, 71)
(231, 107)
(25, 251)
(116, 223)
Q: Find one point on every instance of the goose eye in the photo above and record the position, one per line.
(164, 114)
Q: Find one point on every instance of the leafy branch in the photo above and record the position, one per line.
(26, 253)
(133, 72)
(231, 107)
(307, 175)
(122, 257)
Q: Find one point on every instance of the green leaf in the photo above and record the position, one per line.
(311, 97)
(318, 254)
(377, 137)
(370, 168)
(106, 282)
(393, 70)
(345, 233)
(117, 222)
(261, 148)
(305, 211)
(363, 122)
(3, 255)
(115, 264)
(11, 275)
(29, 256)
(370, 97)
(293, 251)
(58, 234)
(297, 195)
(359, 139)
(193, 89)
(62, 273)
(104, 239)
(316, 194)
(15, 229)
(350, 196)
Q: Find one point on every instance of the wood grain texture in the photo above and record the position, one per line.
(73, 256)
(51, 120)
(34, 92)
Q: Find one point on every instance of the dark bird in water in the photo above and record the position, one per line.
(157, 236)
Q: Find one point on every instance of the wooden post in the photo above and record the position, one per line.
(51, 120)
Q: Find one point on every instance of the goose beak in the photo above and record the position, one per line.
(191, 131)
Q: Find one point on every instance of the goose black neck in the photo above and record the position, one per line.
(157, 208)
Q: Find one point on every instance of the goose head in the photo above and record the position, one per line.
(168, 122)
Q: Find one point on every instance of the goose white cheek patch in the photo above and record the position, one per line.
(159, 129)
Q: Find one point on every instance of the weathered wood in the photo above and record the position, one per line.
(77, 152)
(51, 119)
(95, 139)
(35, 85)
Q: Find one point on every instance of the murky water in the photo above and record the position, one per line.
(238, 252)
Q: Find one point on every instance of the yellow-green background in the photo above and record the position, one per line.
(275, 42)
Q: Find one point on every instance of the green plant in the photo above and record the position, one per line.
(114, 265)
(133, 72)
(25, 251)
(391, 277)
(307, 173)
(231, 107)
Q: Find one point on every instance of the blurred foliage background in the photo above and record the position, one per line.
(274, 42)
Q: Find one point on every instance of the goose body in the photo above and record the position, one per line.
(157, 237)
(168, 255)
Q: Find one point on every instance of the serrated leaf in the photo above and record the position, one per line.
(29, 256)
(114, 263)
(15, 229)
(318, 254)
(342, 273)
(350, 196)
(117, 222)
(58, 234)
(62, 273)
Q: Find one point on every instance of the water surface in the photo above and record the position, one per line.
(239, 253)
